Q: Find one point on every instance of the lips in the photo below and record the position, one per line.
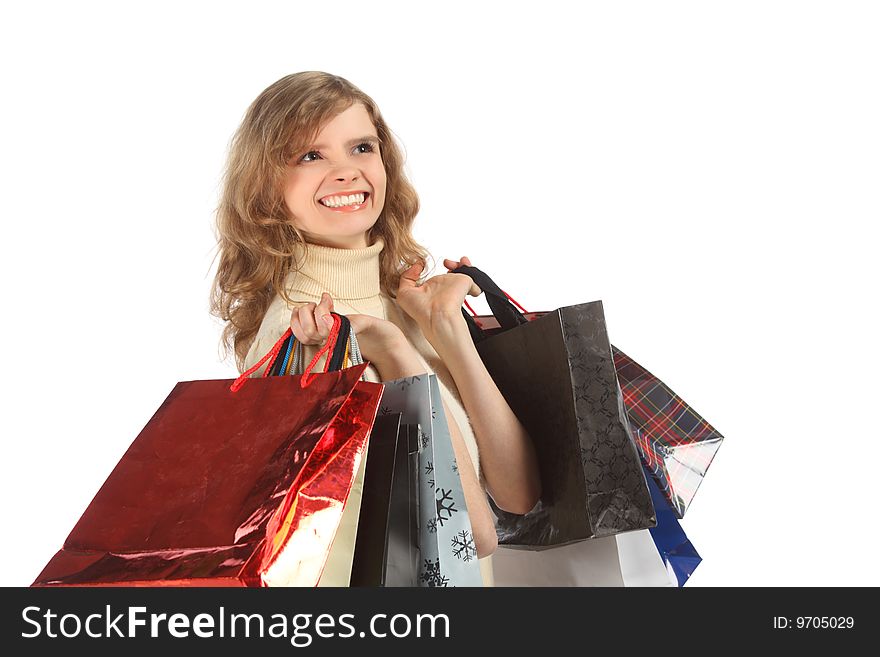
(346, 208)
(343, 196)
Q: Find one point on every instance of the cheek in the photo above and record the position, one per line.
(379, 179)
(296, 192)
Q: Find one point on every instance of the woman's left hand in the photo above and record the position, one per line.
(438, 300)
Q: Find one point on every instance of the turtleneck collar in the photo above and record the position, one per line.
(343, 273)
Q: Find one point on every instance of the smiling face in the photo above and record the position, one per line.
(335, 190)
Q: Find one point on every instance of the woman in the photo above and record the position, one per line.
(316, 215)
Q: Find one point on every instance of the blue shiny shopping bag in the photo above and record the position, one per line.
(672, 543)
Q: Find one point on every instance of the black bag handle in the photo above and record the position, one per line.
(506, 313)
(336, 358)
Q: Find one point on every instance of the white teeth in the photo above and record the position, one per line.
(339, 201)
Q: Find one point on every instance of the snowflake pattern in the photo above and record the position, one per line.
(463, 546)
(429, 470)
(406, 383)
(431, 574)
(385, 410)
(424, 438)
(445, 505)
(432, 526)
(455, 466)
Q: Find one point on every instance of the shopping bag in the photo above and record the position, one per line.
(386, 552)
(675, 442)
(448, 554)
(629, 559)
(672, 544)
(593, 563)
(402, 557)
(227, 485)
(385, 547)
(557, 374)
(343, 353)
(640, 563)
(672, 438)
(371, 546)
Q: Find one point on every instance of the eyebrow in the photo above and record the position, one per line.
(351, 142)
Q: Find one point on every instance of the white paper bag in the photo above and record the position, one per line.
(628, 559)
(640, 563)
(587, 563)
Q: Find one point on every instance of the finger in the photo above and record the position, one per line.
(323, 324)
(410, 278)
(307, 321)
(451, 264)
(296, 327)
(300, 331)
(359, 323)
(475, 290)
(324, 303)
(323, 320)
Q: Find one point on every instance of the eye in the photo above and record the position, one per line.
(367, 146)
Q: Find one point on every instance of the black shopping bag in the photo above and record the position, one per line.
(386, 549)
(557, 374)
(402, 555)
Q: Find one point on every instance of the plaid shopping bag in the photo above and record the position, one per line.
(675, 442)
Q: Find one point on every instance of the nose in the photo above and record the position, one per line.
(344, 173)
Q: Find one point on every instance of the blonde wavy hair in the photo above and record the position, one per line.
(256, 237)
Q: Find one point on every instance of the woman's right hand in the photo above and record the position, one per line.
(379, 340)
(308, 321)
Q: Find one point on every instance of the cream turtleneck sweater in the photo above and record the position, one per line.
(351, 277)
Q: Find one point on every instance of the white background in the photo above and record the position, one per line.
(709, 170)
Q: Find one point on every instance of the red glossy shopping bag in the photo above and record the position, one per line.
(224, 487)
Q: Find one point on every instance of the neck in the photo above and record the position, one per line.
(344, 273)
(352, 242)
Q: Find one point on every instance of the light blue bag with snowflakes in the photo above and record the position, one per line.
(446, 539)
